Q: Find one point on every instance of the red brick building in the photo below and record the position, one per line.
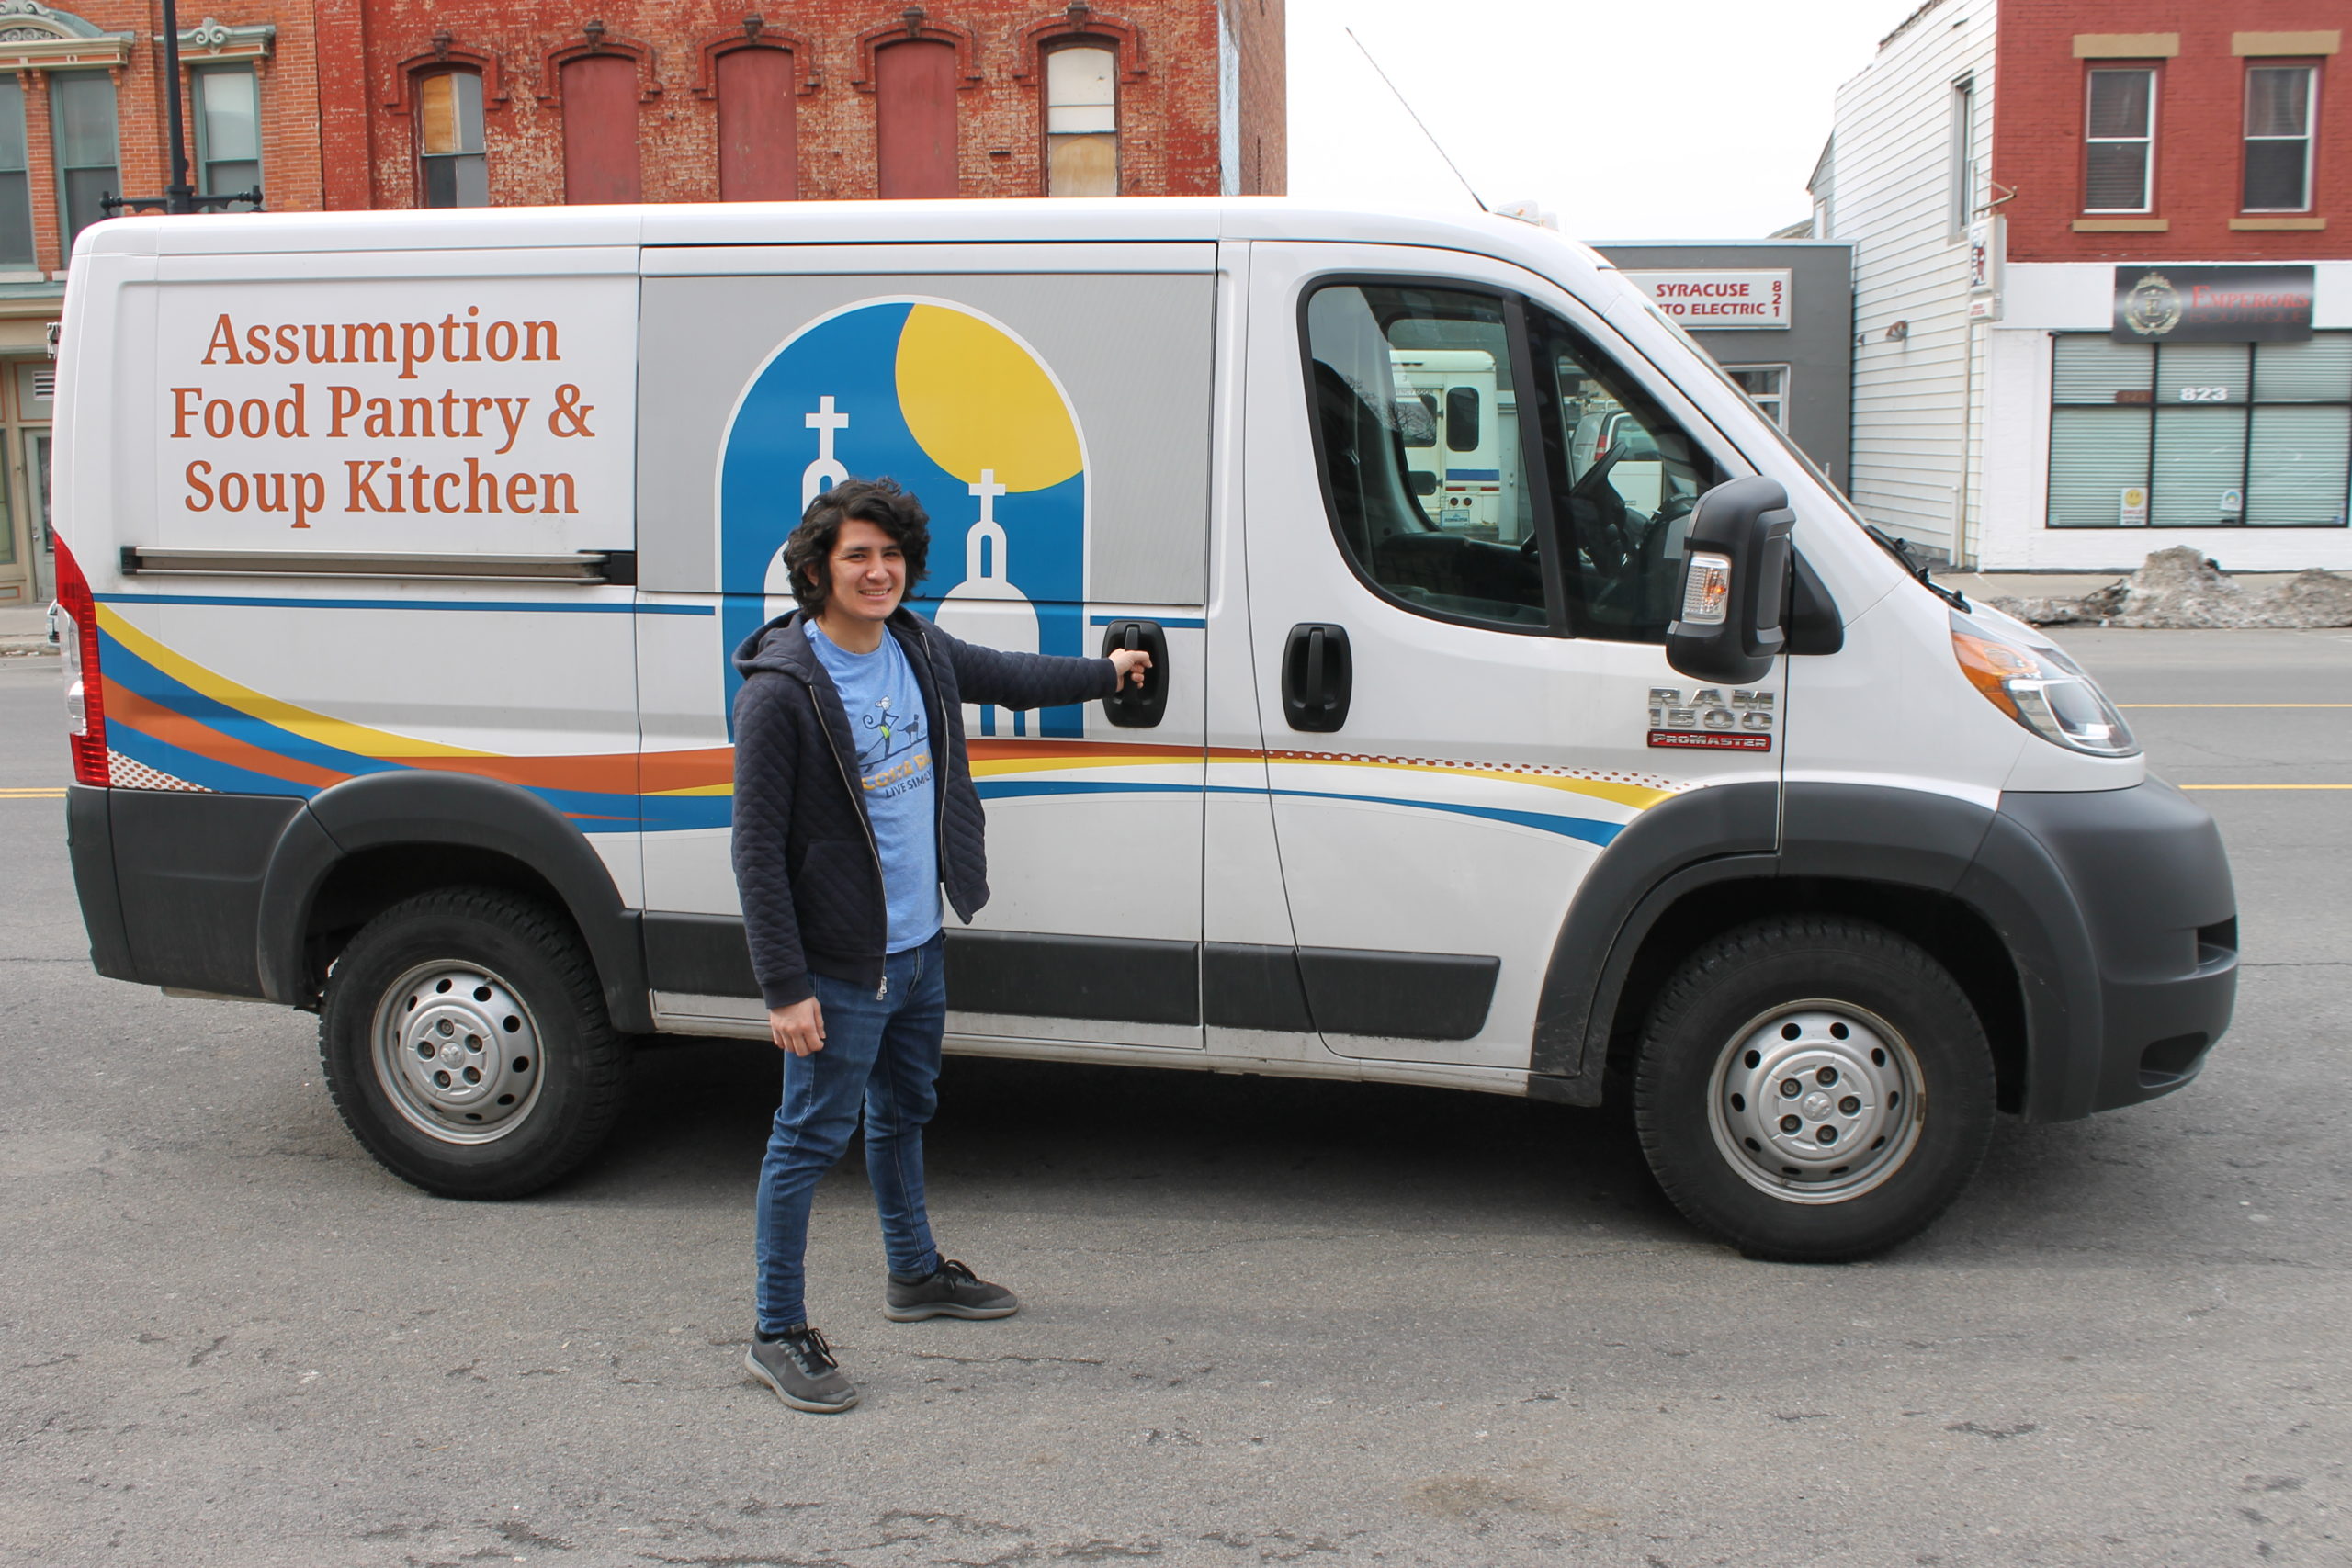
(2214, 127)
(347, 104)
(2103, 281)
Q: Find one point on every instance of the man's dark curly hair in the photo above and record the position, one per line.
(880, 501)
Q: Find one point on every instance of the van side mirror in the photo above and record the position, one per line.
(1736, 567)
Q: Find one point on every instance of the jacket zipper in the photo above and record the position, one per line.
(938, 785)
(883, 991)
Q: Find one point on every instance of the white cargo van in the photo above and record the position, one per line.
(404, 554)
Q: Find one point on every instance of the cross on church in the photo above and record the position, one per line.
(825, 422)
(988, 489)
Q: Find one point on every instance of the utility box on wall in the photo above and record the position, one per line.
(1777, 314)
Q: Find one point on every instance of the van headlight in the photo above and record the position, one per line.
(2040, 688)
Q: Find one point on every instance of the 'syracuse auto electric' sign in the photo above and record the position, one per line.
(2154, 303)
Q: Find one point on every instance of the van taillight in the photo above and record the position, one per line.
(77, 640)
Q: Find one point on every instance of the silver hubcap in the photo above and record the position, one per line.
(1816, 1103)
(458, 1052)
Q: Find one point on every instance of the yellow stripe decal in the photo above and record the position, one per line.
(302, 721)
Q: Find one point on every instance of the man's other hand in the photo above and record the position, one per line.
(1131, 663)
(799, 1029)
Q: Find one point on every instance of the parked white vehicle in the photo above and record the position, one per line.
(404, 554)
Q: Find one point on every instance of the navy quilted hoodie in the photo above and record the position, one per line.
(804, 861)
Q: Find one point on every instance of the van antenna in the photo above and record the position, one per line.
(1416, 119)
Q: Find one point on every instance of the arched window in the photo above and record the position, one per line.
(448, 137)
(758, 130)
(1082, 120)
(914, 89)
(600, 162)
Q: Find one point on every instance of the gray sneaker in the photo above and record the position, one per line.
(949, 1291)
(801, 1369)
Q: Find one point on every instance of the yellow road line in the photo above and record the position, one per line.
(33, 794)
(2268, 786)
(2233, 705)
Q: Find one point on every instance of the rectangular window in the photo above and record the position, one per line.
(1767, 387)
(2121, 137)
(2279, 138)
(82, 128)
(449, 143)
(1964, 156)
(16, 178)
(228, 132)
(1082, 122)
(2201, 436)
(759, 134)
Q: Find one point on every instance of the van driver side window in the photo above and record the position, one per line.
(1624, 479)
(1416, 400)
(1417, 425)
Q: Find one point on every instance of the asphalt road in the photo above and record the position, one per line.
(1268, 1322)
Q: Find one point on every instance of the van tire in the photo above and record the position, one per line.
(1893, 1085)
(465, 1045)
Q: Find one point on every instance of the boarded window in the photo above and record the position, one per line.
(449, 145)
(599, 130)
(914, 88)
(758, 134)
(1082, 122)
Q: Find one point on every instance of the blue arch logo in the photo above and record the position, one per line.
(959, 410)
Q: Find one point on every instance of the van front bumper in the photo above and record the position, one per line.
(2123, 924)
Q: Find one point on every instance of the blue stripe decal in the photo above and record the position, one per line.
(519, 606)
(1491, 476)
(1592, 832)
(1173, 622)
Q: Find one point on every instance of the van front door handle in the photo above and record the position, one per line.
(1319, 677)
(1138, 708)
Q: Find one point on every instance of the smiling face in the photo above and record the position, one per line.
(869, 573)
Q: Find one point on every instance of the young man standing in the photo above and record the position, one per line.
(853, 809)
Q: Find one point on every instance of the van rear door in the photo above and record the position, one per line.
(1461, 710)
(1050, 406)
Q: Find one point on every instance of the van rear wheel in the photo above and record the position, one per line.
(465, 1045)
(1812, 1089)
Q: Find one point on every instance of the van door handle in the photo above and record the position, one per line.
(1319, 677)
(1138, 708)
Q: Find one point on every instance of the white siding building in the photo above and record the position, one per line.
(1907, 165)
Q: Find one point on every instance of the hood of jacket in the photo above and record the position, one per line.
(781, 645)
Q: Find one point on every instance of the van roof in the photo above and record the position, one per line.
(837, 224)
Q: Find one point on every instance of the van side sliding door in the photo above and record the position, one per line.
(1466, 508)
(1050, 406)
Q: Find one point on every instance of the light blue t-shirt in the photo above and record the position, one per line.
(893, 734)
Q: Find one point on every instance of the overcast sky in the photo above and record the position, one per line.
(1633, 119)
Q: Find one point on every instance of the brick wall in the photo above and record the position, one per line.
(2037, 139)
(288, 81)
(369, 50)
(1257, 27)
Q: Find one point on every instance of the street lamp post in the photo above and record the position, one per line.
(179, 195)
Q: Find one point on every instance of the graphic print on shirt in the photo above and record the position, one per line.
(960, 412)
(893, 752)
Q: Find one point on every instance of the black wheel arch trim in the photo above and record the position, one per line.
(391, 809)
(2026, 868)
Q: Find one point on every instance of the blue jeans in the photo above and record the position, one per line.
(881, 1054)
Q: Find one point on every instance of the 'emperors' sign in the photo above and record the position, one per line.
(441, 416)
(2154, 303)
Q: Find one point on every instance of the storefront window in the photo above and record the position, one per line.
(2201, 436)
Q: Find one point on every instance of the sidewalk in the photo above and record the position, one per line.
(23, 632)
(2067, 584)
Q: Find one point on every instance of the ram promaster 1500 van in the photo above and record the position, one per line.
(402, 555)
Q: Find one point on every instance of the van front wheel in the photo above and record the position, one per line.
(1814, 1089)
(465, 1045)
